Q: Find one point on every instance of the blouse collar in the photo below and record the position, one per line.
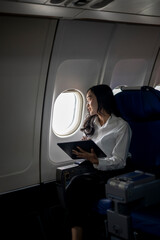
(104, 125)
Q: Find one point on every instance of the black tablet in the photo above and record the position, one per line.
(86, 145)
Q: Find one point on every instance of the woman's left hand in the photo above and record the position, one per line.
(92, 157)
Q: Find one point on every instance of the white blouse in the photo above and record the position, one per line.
(114, 139)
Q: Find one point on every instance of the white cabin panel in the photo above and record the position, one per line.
(25, 46)
(131, 55)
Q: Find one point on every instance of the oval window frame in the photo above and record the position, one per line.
(77, 114)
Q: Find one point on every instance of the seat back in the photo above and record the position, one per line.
(141, 109)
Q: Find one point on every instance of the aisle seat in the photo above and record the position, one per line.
(141, 109)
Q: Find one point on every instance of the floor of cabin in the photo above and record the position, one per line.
(36, 213)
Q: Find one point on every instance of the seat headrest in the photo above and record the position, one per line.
(139, 105)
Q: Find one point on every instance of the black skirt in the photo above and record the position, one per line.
(84, 191)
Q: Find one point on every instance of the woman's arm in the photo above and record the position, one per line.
(117, 160)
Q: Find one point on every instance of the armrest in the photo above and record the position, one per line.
(132, 186)
(128, 192)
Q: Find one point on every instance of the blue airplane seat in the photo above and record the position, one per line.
(102, 205)
(147, 220)
(141, 109)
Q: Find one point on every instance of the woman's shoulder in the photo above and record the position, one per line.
(119, 121)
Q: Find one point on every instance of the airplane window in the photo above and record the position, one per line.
(67, 113)
(155, 77)
(157, 87)
(116, 90)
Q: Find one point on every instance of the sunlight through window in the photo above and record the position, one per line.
(157, 87)
(67, 113)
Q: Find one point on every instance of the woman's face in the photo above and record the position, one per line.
(92, 104)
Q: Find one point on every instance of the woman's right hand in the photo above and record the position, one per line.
(84, 138)
(90, 156)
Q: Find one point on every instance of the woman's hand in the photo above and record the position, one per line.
(84, 138)
(92, 157)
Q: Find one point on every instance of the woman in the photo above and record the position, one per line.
(112, 134)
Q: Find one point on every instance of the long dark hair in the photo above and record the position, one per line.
(106, 101)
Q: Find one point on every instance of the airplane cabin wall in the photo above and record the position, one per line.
(25, 47)
(131, 55)
(38, 62)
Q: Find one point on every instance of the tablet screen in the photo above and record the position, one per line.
(86, 145)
